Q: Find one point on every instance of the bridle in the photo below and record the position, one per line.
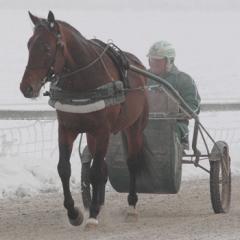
(51, 68)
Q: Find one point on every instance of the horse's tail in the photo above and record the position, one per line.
(144, 167)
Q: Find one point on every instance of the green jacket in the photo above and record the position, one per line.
(185, 85)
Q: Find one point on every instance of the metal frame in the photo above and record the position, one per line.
(187, 113)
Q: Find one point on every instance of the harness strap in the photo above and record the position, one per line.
(112, 89)
(118, 57)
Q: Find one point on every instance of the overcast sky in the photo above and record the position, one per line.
(184, 5)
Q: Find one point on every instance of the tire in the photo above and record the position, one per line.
(220, 182)
(85, 185)
(86, 160)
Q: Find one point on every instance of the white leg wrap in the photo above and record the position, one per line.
(92, 222)
(132, 211)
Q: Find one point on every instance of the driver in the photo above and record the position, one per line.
(161, 58)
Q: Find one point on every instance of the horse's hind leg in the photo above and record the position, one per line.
(135, 160)
(134, 155)
(66, 139)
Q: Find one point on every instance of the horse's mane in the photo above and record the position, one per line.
(81, 38)
(129, 55)
(67, 25)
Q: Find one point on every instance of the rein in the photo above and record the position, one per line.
(53, 77)
(88, 65)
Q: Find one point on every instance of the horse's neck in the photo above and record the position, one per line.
(77, 50)
(79, 54)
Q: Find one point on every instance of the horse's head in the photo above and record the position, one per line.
(45, 55)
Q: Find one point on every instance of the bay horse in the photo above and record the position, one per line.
(57, 48)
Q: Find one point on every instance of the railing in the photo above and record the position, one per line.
(36, 131)
(51, 114)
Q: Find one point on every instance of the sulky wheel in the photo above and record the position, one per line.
(86, 159)
(220, 177)
(85, 185)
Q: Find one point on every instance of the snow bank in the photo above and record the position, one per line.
(29, 158)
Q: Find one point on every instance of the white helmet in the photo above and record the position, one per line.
(162, 49)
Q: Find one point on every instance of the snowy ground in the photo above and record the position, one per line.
(207, 45)
(185, 216)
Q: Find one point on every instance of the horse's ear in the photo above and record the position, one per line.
(34, 19)
(51, 19)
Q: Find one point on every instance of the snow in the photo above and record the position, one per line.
(206, 36)
(29, 158)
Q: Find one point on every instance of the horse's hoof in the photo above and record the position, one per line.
(132, 214)
(78, 220)
(91, 223)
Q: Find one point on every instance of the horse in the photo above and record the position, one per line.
(56, 48)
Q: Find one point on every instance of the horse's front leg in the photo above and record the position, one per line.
(98, 178)
(66, 139)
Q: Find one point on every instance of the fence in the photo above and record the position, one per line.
(35, 132)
